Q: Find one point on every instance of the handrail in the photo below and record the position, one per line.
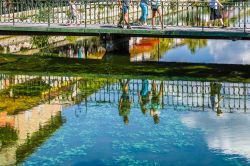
(175, 13)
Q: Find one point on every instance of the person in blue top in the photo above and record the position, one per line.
(144, 96)
(124, 6)
(215, 14)
(144, 10)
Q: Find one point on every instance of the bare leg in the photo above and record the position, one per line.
(121, 19)
(153, 18)
(221, 22)
(126, 18)
(160, 15)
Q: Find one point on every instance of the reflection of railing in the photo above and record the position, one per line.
(47, 88)
(187, 95)
(179, 94)
(176, 13)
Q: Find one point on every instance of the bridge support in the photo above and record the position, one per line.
(116, 43)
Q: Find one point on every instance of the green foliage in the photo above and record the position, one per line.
(43, 15)
(6, 60)
(72, 39)
(112, 6)
(30, 88)
(8, 135)
(1, 48)
(23, 96)
(23, 17)
(15, 105)
(40, 41)
(194, 44)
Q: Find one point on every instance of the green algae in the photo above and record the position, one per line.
(183, 71)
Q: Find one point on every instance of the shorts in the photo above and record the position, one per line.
(155, 7)
(215, 14)
(125, 9)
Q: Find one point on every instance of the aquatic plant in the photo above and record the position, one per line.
(8, 135)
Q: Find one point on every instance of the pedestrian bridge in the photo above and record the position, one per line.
(181, 19)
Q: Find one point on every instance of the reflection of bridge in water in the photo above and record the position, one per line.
(177, 95)
(182, 95)
(181, 19)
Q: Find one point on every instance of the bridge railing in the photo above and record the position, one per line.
(175, 13)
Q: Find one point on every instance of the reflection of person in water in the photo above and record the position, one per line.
(156, 102)
(125, 103)
(79, 54)
(215, 97)
(144, 96)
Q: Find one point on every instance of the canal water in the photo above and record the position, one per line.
(119, 121)
(203, 51)
(47, 119)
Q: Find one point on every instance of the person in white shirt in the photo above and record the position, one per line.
(73, 15)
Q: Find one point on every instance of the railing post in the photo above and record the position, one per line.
(177, 12)
(162, 15)
(13, 15)
(85, 13)
(244, 16)
(245, 97)
(202, 14)
(239, 12)
(107, 8)
(48, 5)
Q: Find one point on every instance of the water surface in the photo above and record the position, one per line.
(102, 121)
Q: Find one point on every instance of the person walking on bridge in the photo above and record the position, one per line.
(144, 10)
(73, 13)
(155, 5)
(124, 6)
(215, 14)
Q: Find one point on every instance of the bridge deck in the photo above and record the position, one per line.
(169, 31)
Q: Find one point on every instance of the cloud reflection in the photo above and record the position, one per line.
(228, 133)
(216, 51)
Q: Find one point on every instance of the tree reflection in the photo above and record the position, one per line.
(8, 135)
(150, 49)
(194, 44)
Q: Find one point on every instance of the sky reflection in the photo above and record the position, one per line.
(228, 134)
(216, 51)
